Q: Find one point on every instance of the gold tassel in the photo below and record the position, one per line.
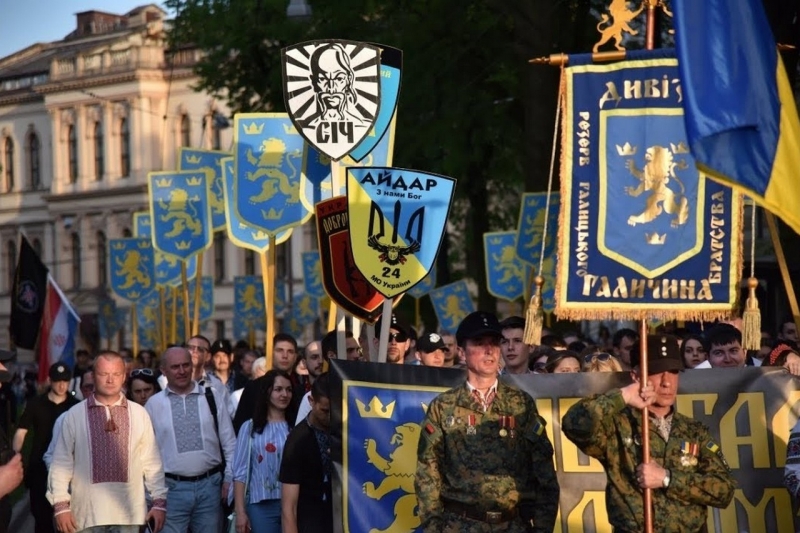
(534, 316)
(751, 319)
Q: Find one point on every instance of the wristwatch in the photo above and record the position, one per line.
(666, 480)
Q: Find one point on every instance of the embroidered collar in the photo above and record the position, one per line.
(197, 389)
(91, 401)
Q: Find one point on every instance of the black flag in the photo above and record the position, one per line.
(28, 294)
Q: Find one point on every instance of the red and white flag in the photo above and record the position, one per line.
(57, 334)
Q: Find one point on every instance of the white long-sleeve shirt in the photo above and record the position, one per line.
(104, 459)
(185, 432)
(51, 448)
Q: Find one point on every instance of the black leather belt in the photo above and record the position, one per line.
(488, 517)
(217, 469)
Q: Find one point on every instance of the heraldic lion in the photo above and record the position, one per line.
(654, 177)
(399, 470)
(129, 270)
(182, 211)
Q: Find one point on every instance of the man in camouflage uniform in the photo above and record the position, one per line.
(484, 461)
(686, 472)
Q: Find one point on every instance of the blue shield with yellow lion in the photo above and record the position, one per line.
(506, 274)
(269, 156)
(305, 309)
(148, 322)
(240, 232)
(168, 267)
(452, 303)
(132, 268)
(248, 299)
(380, 433)
(534, 209)
(210, 162)
(650, 191)
(312, 274)
(181, 212)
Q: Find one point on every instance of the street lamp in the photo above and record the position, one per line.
(298, 9)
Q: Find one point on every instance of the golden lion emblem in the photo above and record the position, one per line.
(129, 269)
(399, 470)
(452, 309)
(506, 264)
(654, 177)
(182, 210)
(248, 298)
(270, 160)
(620, 17)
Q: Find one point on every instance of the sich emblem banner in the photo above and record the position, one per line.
(646, 235)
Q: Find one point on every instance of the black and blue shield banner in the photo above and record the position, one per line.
(646, 234)
(376, 411)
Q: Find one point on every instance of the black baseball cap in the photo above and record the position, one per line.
(663, 354)
(430, 342)
(396, 323)
(222, 345)
(478, 324)
(60, 372)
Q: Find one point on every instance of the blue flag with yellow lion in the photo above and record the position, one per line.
(644, 234)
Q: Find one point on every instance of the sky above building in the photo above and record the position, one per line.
(25, 22)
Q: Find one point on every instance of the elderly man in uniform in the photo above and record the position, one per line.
(686, 472)
(484, 461)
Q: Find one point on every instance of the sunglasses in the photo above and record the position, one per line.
(588, 358)
(398, 337)
(142, 372)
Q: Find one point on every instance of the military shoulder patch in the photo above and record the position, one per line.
(430, 429)
(712, 446)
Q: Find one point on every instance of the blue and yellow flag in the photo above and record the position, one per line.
(168, 267)
(506, 274)
(248, 299)
(391, 70)
(741, 118)
(452, 303)
(206, 298)
(397, 218)
(268, 157)
(425, 286)
(643, 233)
(210, 162)
(305, 309)
(240, 232)
(110, 319)
(530, 228)
(132, 268)
(312, 274)
(148, 323)
(181, 212)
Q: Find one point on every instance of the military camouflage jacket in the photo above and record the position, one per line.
(604, 427)
(485, 461)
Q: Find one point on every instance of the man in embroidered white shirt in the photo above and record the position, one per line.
(197, 450)
(105, 457)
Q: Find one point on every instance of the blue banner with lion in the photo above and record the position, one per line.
(645, 234)
(376, 411)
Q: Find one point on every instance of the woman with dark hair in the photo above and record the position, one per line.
(693, 351)
(142, 384)
(147, 358)
(257, 461)
(562, 362)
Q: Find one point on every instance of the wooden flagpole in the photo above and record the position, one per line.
(268, 259)
(198, 284)
(185, 289)
(162, 315)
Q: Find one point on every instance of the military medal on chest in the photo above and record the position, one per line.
(689, 453)
(512, 424)
(503, 425)
(471, 425)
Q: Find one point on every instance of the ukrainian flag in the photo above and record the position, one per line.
(741, 119)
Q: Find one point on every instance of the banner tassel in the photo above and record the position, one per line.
(534, 316)
(751, 318)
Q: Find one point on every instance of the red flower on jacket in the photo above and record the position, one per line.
(271, 448)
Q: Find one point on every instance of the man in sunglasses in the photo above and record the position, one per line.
(399, 341)
(484, 462)
(686, 472)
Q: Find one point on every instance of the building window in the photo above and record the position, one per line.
(219, 326)
(219, 257)
(76, 261)
(186, 130)
(9, 164)
(126, 233)
(37, 247)
(99, 161)
(249, 263)
(125, 148)
(11, 256)
(72, 152)
(34, 161)
(216, 134)
(102, 260)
